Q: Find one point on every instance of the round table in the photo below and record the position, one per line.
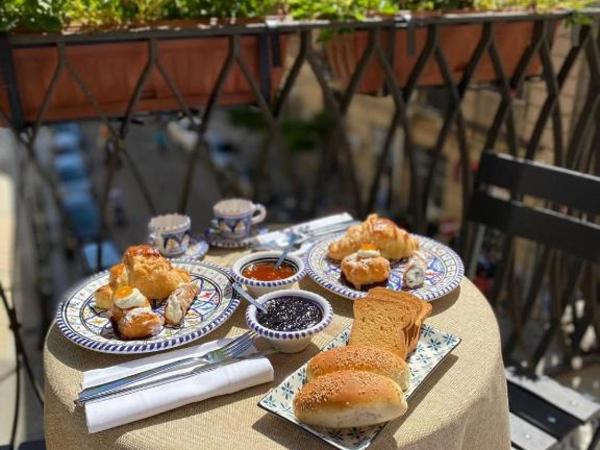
(462, 405)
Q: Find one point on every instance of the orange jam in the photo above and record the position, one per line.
(265, 271)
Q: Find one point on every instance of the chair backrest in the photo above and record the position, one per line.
(561, 220)
(566, 190)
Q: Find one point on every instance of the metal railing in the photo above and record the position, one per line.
(580, 153)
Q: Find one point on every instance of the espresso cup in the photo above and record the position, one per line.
(234, 217)
(170, 233)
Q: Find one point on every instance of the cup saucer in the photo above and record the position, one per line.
(215, 239)
(197, 248)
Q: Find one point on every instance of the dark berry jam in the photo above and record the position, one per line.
(290, 314)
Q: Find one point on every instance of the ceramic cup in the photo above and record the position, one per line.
(234, 217)
(170, 233)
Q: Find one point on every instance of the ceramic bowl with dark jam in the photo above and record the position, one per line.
(258, 273)
(293, 316)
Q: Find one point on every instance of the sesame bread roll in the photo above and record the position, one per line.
(362, 358)
(349, 399)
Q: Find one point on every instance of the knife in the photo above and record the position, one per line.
(117, 392)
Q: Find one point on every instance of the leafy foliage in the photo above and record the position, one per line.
(54, 15)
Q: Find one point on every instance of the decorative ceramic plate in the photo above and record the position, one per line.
(431, 350)
(444, 272)
(82, 323)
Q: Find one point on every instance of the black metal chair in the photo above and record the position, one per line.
(561, 221)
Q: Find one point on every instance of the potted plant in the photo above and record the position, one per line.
(458, 41)
(111, 70)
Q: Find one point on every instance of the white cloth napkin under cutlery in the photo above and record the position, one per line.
(111, 412)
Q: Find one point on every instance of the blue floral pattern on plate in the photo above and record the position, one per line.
(434, 345)
(91, 328)
(444, 272)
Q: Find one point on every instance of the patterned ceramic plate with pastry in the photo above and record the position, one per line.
(440, 267)
(433, 347)
(82, 322)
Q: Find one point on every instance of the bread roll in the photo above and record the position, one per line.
(152, 274)
(118, 276)
(368, 359)
(103, 297)
(349, 399)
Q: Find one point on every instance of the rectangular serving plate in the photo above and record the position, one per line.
(433, 347)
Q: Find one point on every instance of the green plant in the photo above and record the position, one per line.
(54, 15)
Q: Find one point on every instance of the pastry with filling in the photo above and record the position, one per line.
(132, 314)
(365, 267)
(414, 274)
(139, 323)
(179, 302)
(151, 273)
(392, 241)
(103, 297)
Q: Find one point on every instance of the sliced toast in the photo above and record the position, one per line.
(390, 320)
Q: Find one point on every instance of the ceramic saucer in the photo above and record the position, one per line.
(197, 248)
(215, 239)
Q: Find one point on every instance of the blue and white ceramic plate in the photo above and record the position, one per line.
(434, 345)
(91, 328)
(444, 273)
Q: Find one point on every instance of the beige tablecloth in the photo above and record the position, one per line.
(463, 405)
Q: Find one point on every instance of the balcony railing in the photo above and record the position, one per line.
(579, 150)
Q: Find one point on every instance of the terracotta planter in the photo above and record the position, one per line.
(111, 72)
(458, 43)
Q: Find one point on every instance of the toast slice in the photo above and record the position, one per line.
(422, 308)
(390, 320)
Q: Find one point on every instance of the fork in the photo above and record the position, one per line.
(303, 234)
(232, 349)
(179, 376)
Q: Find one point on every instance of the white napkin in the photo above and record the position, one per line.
(112, 412)
(279, 238)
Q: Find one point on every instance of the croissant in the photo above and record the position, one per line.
(393, 242)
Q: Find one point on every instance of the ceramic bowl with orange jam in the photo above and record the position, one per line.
(258, 273)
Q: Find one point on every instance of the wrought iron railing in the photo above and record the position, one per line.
(580, 151)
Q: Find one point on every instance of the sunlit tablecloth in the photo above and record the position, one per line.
(463, 405)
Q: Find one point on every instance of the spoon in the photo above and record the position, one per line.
(291, 243)
(240, 290)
